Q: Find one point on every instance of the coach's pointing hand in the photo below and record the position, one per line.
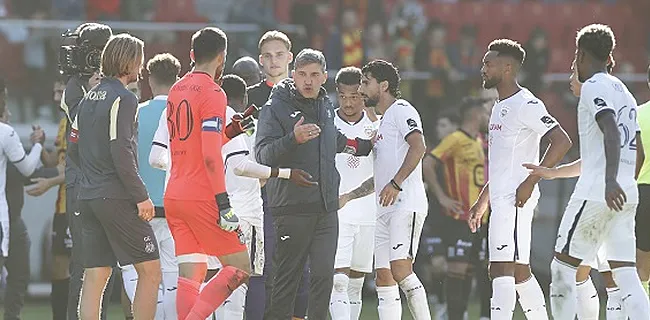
(305, 132)
(146, 211)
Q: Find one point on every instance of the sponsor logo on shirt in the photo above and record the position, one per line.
(495, 127)
(411, 124)
(548, 121)
(532, 102)
(600, 103)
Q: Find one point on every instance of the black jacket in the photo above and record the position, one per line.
(276, 146)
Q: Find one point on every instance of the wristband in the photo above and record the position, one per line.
(284, 173)
(223, 203)
(395, 185)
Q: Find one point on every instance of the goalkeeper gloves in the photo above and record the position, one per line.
(228, 220)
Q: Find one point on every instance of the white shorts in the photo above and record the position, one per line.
(600, 262)
(254, 239)
(589, 225)
(168, 262)
(510, 229)
(397, 236)
(355, 247)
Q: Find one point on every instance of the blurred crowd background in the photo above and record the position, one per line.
(437, 45)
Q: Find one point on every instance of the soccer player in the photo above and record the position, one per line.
(354, 254)
(11, 202)
(164, 70)
(588, 306)
(461, 154)
(643, 211)
(61, 239)
(275, 57)
(197, 207)
(402, 209)
(113, 202)
(248, 69)
(602, 208)
(518, 122)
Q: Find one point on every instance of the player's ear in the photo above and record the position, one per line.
(192, 55)
(292, 73)
(383, 86)
(259, 59)
(290, 57)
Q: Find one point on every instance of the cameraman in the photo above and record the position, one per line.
(92, 37)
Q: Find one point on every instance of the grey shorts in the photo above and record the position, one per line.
(113, 233)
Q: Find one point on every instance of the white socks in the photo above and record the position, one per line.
(130, 279)
(615, 309)
(339, 301)
(531, 299)
(390, 304)
(416, 297)
(635, 301)
(588, 301)
(355, 291)
(563, 290)
(504, 297)
(169, 290)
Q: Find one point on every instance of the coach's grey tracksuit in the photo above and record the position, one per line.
(305, 218)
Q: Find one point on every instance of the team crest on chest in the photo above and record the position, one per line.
(368, 130)
(504, 111)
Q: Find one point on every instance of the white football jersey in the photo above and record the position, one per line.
(161, 138)
(11, 149)
(606, 93)
(245, 193)
(399, 121)
(517, 125)
(354, 171)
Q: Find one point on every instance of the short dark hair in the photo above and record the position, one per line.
(234, 86)
(164, 68)
(597, 39)
(509, 48)
(208, 43)
(348, 76)
(384, 71)
(308, 56)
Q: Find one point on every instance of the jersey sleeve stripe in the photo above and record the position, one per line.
(236, 153)
(112, 126)
(21, 159)
(160, 144)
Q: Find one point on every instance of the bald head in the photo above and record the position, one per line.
(248, 69)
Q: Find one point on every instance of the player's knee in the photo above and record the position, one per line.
(522, 273)
(502, 269)
(384, 277)
(400, 269)
(149, 271)
(341, 282)
(583, 273)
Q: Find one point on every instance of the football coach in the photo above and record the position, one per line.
(296, 130)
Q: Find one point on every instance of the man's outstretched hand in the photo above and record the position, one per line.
(302, 178)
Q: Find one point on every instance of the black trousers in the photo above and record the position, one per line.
(298, 238)
(76, 260)
(18, 268)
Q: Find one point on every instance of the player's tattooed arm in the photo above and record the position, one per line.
(640, 155)
(366, 188)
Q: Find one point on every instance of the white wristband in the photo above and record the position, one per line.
(284, 173)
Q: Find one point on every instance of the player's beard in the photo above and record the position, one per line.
(372, 102)
(489, 83)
